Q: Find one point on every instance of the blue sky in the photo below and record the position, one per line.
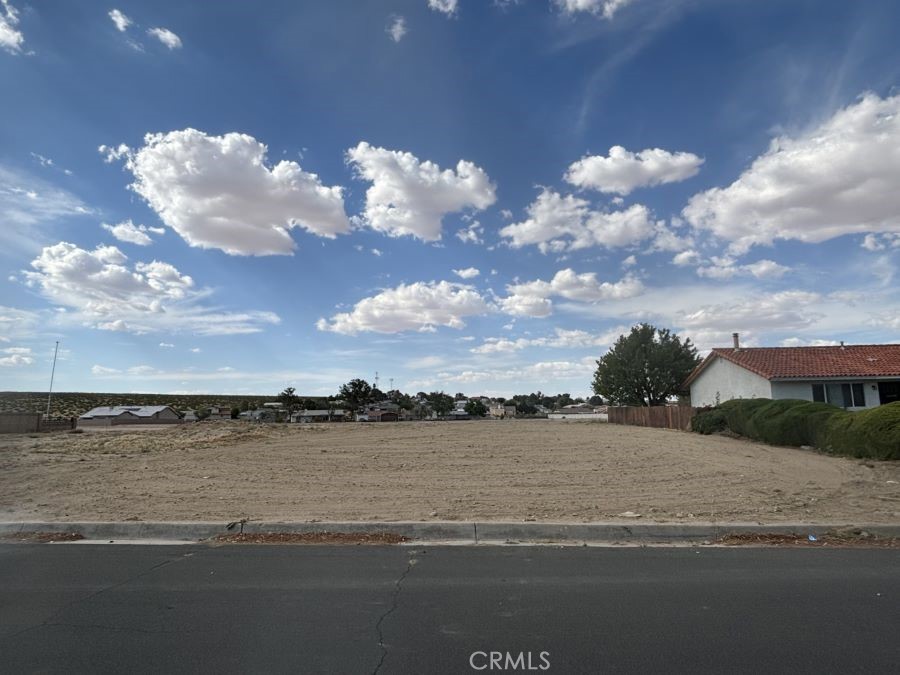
(468, 196)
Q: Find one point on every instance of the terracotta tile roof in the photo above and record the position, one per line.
(777, 363)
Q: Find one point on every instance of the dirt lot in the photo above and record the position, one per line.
(491, 470)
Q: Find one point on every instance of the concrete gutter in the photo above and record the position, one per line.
(451, 531)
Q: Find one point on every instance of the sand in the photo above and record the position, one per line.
(518, 470)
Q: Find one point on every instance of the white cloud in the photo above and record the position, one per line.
(218, 192)
(447, 7)
(166, 345)
(472, 234)
(686, 258)
(396, 28)
(418, 306)
(377, 253)
(147, 297)
(535, 373)
(533, 298)
(876, 242)
(16, 356)
(127, 231)
(725, 268)
(411, 197)
(801, 342)
(122, 22)
(557, 224)
(623, 171)
(467, 273)
(27, 201)
(167, 37)
(630, 261)
(103, 370)
(785, 310)
(839, 178)
(196, 350)
(562, 338)
(17, 323)
(11, 39)
(604, 8)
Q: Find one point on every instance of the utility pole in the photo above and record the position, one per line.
(52, 374)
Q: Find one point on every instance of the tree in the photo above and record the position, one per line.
(475, 408)
(595, 400)
(289, 400)
(645, 367)
(356, 393)
(440, 402)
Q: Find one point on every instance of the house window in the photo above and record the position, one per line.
(844, 395)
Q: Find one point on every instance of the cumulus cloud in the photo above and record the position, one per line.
(880, 242)
(623, 171)
(418, 306)
(108, 294)
(604, 8)
(447, 7)
(122, 22)
(218, 192)
(167, 37)
(533, 298)
(467, 273)
(558, 224)
(128, 232)
(411, 197)
(16, 356)
(839, 178)
(11, 38)
(396, 28)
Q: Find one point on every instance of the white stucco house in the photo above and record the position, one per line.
(850, 376)
(106, 416)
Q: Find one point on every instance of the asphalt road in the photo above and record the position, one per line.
(292, 609)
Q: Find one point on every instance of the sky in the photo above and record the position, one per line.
(459, 195)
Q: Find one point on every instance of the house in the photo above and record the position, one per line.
(106, 416)
(260, 415)
(579, 411)
(306, 416)
(849, 376)
(218, 412)
(501, 410)
(378, 415)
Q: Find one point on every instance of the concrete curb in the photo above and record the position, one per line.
(459, 532)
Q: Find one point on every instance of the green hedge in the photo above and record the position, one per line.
(873, 433)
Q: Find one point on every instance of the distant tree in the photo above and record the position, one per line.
(289, 400)
(476, 408)
(459, 396)
(562, 400)
(499, 399)
(310, 404)
(203, 413)
(355, 394)
(645, 367)
(235, 412)
(525, 408)
(595, 400)
(440, 402)
(245, 406)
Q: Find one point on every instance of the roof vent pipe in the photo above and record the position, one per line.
(842, 344)
(736, 337)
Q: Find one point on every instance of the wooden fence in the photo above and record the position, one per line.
(663, 416)
(27, 423)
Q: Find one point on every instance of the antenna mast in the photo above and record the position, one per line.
(52, 374)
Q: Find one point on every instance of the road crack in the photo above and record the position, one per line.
(398, 586)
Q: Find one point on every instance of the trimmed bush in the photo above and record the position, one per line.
(873, 433)
(709, 421)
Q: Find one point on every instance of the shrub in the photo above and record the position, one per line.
(873, 433)
(709, 421)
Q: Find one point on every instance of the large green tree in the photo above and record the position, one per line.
(289, 400)
(356, 393)
(475, 408)
(645, 367)
(440, 402)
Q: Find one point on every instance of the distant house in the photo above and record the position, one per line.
(501, 410)
(260, 415)
(849, 376)
(378, 415)
(307, 416)
(218, 412)
(579, 411)
(105, 416)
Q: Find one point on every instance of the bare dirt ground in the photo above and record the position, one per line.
(491, 470)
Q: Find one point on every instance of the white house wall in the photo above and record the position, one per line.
(722, 381)
(803, 390)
